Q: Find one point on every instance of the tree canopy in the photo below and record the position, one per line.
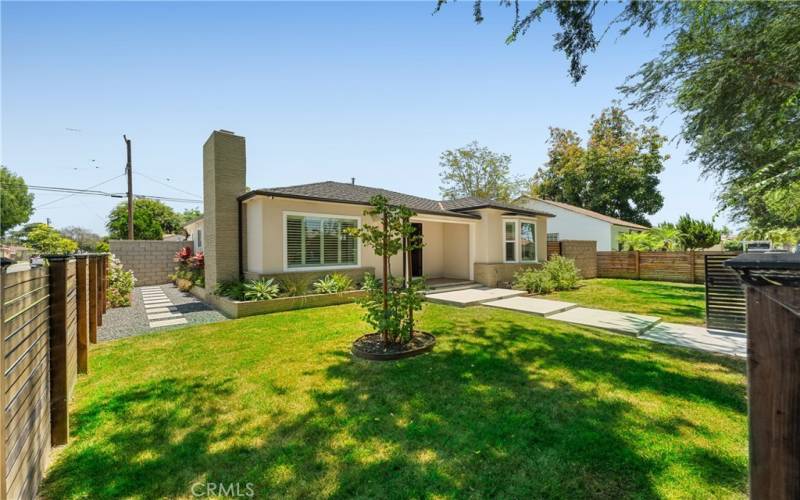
(16, 203)
(731, 69)
(85, 238)
(615, 174)
(151, 220)
(47, 240)
(474, 170)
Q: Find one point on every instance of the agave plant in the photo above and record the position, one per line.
(333, 283)
(261, 289)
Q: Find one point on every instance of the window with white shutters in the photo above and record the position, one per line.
(320, 241)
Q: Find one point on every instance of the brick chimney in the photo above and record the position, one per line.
(224, 170)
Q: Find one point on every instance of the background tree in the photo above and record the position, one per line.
(732, 69)
(151, 220)
(45, 239)
(697, 234)
(16, 203)
(85, 238)
(616, 174)
(189, 215)
(474, 170)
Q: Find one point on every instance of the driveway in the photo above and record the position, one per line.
(155, 309)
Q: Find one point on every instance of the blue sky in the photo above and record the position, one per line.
(321, 91)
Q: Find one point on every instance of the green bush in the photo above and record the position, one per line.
(120, 284)
(563, 272)
(295, 284)
(233, 290)
(559, 273)
(533, 281)
(333, 283)
(261, 289)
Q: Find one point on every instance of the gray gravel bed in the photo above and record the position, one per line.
(122, 322)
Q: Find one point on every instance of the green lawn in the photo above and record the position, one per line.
(673, 302)
(507, 405)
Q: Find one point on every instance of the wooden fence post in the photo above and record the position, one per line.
(772, 283)
(99, 288)
(92, 269)
(82, 300)
(3, 383)
(62, 324)
(104, 282)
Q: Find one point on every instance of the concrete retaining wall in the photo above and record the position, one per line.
(152, 261)
(236, 309)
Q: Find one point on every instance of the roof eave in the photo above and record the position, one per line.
(515, 211)
(275, 194)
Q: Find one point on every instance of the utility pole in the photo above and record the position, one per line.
(129, 172)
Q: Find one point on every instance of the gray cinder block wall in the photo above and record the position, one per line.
(224, 171)
(152, 261)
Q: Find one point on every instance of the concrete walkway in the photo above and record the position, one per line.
(645, 327)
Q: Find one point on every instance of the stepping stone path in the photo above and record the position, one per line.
(160, 310)
(645, 327)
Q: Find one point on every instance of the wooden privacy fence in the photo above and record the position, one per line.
(48, 316)
(685, 267)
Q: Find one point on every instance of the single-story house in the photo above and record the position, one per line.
(250, 233)
(576, 223)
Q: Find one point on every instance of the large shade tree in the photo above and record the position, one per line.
(16, 203)
(616, 173)
(475, 170)
(732, 70)
(151, 220)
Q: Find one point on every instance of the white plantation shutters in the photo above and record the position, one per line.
(319, 241)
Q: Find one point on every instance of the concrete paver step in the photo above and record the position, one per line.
(530, 305)
(699, 337)
(472, 296)
(609, 320)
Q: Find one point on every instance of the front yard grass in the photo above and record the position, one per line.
(673, 302)
(507, 405)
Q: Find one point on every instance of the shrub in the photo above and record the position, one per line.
(231, 289)
(120, 284)
(533, 281)
(557, 274)
(333, 283)
(295, 284)
(190, 268)
(562, 272)
(261, 289)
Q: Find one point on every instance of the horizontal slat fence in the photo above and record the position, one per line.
(685, 267)
(726, 306)
(40, 349)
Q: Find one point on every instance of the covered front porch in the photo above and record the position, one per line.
(449, 250)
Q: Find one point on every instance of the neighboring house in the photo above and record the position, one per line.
(301, 229)
(575, 223)
(194, 233)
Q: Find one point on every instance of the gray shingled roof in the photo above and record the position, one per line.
(342, 192)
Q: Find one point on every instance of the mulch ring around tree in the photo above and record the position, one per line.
(372, 347)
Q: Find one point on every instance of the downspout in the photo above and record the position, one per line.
(241, 264)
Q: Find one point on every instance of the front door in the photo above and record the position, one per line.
(416, 254)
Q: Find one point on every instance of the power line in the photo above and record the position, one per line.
(74, 193)
(94, 192)
(165, 185)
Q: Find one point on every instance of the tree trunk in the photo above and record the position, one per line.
(385, 277)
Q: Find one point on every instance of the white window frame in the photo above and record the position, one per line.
(288, 269)
(517, 240)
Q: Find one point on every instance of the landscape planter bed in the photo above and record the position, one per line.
(372, 348)
(240, 309)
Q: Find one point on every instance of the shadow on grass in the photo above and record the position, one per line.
(484, 415)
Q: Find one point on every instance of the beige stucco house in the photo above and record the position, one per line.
(300, 229)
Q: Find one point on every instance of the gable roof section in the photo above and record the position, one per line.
(588, 213)
(342, 192)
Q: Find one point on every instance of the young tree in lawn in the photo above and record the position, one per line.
(151, 220)
(391, 303)
(697, 234)
(616, 174)
(474, 170)
(16, 203)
